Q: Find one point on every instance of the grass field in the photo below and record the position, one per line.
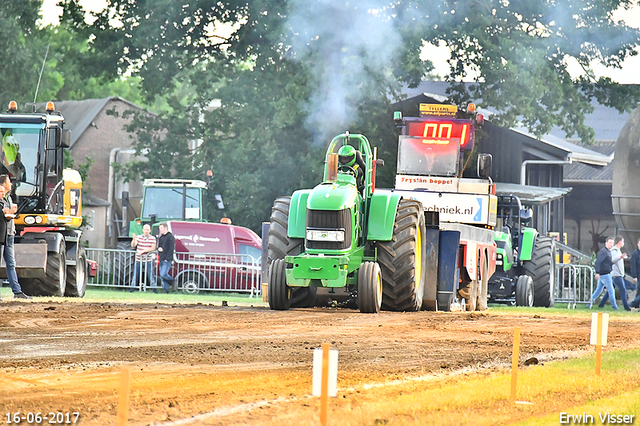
(105, 294)
(244, 299)
(544, 394)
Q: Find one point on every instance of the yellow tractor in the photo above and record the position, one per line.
(50, 261)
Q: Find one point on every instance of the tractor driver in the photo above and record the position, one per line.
(349, 156)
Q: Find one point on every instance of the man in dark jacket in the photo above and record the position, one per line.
(603, 267)
(8, 253)
(635, 273)
(166, 246)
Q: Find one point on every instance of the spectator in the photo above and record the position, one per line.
(9, 257)
(3, 219)
(166, 246)
(603, 268)
(635, 273)
(145, 245)
(617, 273)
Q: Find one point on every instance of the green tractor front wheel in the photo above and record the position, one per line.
(369, 288)
(542, 270)
(279, 293)
(281, 245)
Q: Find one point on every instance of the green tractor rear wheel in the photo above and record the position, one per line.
(401, 259)
(279, 294)
(369, 288)
(280, 245)
(542, 270)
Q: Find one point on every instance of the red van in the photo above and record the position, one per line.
(215, 256)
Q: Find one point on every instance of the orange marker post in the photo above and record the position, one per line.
(123, 405)
(514, 363)
(324, 393)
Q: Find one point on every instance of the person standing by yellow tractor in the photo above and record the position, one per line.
(8, 253)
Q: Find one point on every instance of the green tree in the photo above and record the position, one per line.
(53, 60)
(289, 74)
(520, 54)
(23, 51)
(255, 145)
(69, 76)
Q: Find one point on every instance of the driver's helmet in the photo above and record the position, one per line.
(526, 215)
(347, 155)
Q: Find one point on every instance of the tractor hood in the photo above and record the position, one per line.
(502, 236)
(338, 195)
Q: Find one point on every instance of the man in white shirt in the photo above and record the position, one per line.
(617, 273)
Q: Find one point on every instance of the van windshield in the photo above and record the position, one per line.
(166, 203)
(252, 255)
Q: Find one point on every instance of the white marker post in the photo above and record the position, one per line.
(599, 328)
(515, 357)
(325, 377)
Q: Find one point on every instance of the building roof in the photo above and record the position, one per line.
(79, 115)
(584, 173)
(530, 194)
(438, 90)
(607, 122)
(575, 152)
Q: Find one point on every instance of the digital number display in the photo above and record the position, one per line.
(440, 132)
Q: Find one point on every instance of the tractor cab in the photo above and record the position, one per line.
(360, 172)
(172, 199)
(32, 156)
(512, 220)
(434, 143)
(342, 198)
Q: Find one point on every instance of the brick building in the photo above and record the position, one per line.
(97, 132)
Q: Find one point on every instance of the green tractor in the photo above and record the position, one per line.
(343, 235)
(163, 200)
(526, 261)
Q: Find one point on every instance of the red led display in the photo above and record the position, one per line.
(440, 132)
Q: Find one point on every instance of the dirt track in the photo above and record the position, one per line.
(238, 363)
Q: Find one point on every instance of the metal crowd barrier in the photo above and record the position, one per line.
(192, 272)
(574, 284)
